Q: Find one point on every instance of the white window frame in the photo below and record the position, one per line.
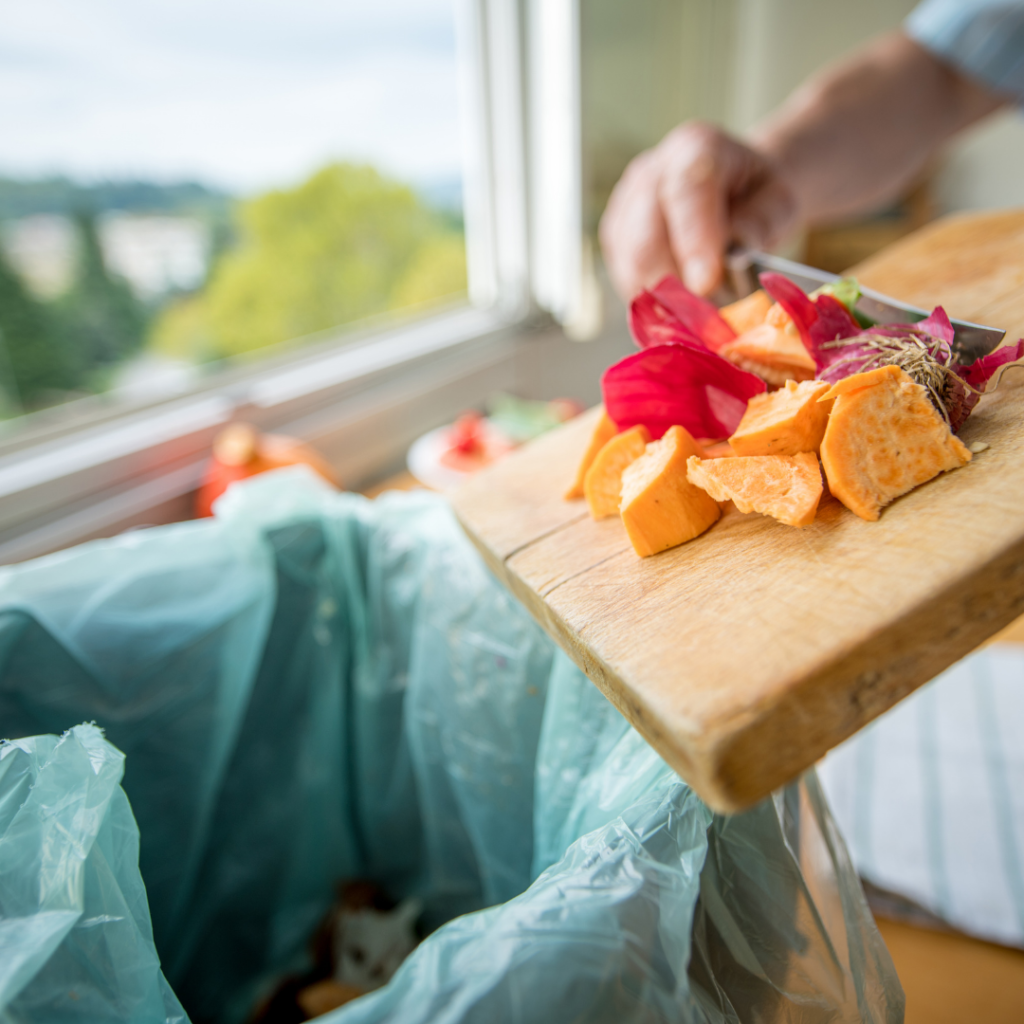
(362, 395)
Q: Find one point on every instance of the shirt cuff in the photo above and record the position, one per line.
(982, 38)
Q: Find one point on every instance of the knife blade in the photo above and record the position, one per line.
(970, 341)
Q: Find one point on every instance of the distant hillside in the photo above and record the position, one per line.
(24, 197)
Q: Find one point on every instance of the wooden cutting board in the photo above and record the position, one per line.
(746, 654)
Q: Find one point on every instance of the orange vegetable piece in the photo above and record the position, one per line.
(778, 317)
(748, 312)
(715, 449)
(603, 433)
(660, 507)
(884, 438)
(774, 353)
(240, 451)
(785, 487)
(603, 481)
(323, 996)
(784, 422)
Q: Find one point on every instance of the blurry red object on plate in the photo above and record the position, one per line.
(241, 451)
(473, 443)
(444, 457)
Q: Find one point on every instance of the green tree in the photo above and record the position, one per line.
(346, 244)
(100, 317)
(437, 271)
(34, 356)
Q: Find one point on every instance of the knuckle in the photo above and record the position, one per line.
(695, 135)
(692, 158)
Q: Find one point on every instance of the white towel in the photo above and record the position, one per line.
(930, 797)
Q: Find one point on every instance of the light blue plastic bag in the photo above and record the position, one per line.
(75, 937)
(315, 688)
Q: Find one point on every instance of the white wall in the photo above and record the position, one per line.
(779, 43)
(985, 168)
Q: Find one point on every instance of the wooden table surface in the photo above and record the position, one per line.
(745, 655)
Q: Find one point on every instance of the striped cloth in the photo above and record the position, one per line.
(930, 797)
(983, 38)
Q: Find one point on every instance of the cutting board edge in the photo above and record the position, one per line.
(840, 698)
(835, 700)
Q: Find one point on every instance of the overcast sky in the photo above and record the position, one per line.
(243, 94)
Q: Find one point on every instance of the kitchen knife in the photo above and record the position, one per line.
(970, 341)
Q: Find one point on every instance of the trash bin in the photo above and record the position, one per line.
(312, 687)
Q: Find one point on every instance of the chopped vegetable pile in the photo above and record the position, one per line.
(787, 377)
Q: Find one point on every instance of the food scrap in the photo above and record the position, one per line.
(784, 422)
(602, 483)
(473, 443)
(785, 376)
(603, 433)
(785, 487)
(240, 451)
(884, 438)
(446, 456)
(660, 507)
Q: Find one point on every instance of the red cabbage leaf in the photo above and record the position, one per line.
(822, 320)
(669, 313)
(938, 325)
(960, 401)
(682, 383)
(819, 321)
(652, 324)
(693, 312)
(979, 373)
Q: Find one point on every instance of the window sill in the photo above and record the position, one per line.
(355, 401)
(360, 402)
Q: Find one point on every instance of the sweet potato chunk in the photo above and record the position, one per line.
(746, 313)
(884, 438)
(603, 433)
(660, 507)
(786, 487)
(715, 449)
(784, 422)
(603, 481)
(774, 353)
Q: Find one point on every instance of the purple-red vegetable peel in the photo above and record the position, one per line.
(681, 384)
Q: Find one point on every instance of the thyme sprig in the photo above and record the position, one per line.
(922, 357)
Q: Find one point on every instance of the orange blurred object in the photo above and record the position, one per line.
(241, 451)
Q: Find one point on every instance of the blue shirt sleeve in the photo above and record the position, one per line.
(982, 38)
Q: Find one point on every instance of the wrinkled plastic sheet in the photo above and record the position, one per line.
(75, 936)
(313, 687)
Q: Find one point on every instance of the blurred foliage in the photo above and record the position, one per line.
(50, 348)
(34, 355)
(438, 269)
(346, 244)
(99, 315)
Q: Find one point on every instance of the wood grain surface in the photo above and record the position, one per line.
(743, 656)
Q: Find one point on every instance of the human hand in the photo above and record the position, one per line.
(679, 206)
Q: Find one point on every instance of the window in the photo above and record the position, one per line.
(187, 184)
(175, 116)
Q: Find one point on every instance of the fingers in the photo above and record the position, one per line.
(633, 235)
(678, 207)
(693, 192)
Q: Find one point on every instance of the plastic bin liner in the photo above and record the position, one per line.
(313, 688)
(75, 938)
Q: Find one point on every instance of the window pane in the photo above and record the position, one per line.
(184, 184)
